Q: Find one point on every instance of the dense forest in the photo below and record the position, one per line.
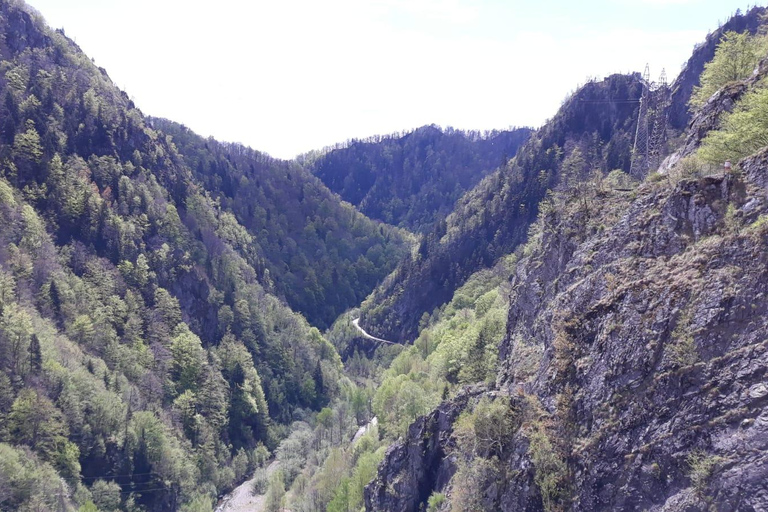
(318, 252)
(141, 358)
(592, 132)
(414, 180)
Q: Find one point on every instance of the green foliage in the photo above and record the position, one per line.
(551, 470)
(27, 483)
(459, 346)
(488, 428)
(319, 253)
(742, 132)
(188, 359)
(435, 502)
(106, 495)
(260, 482)
(412, 180)
(260, 455)
(471, 480)
(198, 504)
(35, 422)
(683, 349)
(735, 58)
(492, 219)
(275, 499)
(701, 468)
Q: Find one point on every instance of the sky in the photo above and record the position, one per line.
(290, 76)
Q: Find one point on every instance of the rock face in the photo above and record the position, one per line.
(651, 312)
(413, 468)
(656, 329)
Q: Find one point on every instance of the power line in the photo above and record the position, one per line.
(117, 476)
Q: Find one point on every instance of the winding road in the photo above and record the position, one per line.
(356, 323)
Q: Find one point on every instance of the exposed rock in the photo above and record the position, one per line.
(413, 467)
(666, 314)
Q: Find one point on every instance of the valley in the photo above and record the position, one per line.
(436, 320)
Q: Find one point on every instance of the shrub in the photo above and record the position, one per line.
(260, 482)
(435, 502)
(702, 467)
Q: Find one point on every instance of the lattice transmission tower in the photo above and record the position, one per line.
(661, 102)
(651, 132)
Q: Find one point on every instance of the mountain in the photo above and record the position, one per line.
(143, 365)
(413, 180)
(628, 372)
(318, 252)
(592, 131)
(490, 220)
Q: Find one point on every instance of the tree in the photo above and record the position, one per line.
(15, 335)
(275, 500)
(742, 132)
(35, 356)
(188, 359)
(168, 307)
(27, 148)
(106, 495)
(35, 421)
(735, 58)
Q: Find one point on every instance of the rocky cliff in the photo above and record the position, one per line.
(635, 362)
(652, 385)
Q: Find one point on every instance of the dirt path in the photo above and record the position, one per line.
(241, 499)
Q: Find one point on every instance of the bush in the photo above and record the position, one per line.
(260, 482)
(488, 429)
(702, 467)
(435, 502)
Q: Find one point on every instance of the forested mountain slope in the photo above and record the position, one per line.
(413, 180)
(141, 360)
(321, 254)
(632, 359)
(593, 130)
(492, 219)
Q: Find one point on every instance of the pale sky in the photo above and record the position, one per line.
(289, 76)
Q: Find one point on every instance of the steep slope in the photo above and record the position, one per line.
(321, 254)
(688, 78)
(492, 219)
(140, 358)
(633, 364)
(650, 389)
(593, 130)
(414, 179)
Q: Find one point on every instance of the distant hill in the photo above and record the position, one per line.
(412, 180)
(316, 251)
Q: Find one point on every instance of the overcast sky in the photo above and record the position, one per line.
(288, 76)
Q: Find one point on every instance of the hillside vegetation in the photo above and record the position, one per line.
(414, 180)
(592, 132)
(314, 250)
(141, 359)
